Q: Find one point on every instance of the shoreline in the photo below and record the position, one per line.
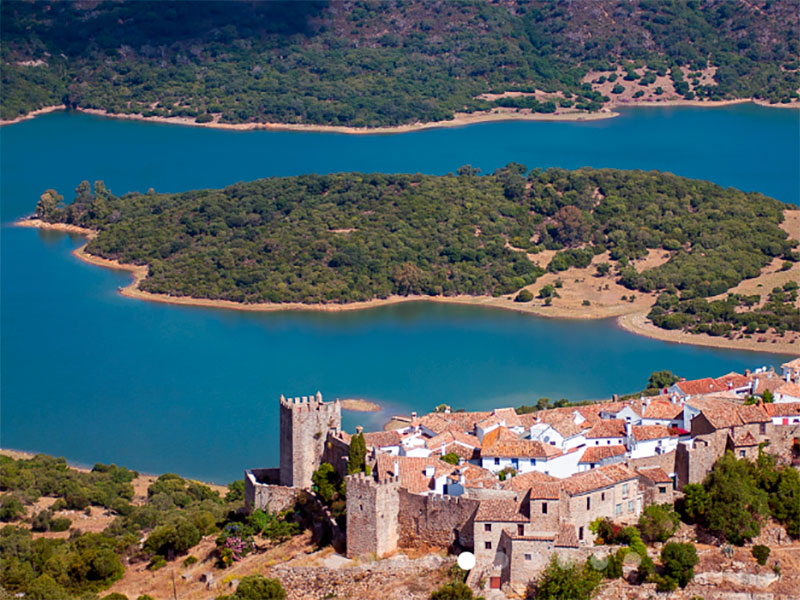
(460, 119)
(632, 321)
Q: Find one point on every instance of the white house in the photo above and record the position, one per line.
(785, 413)
(791, 370)
(651, 440)
(527, 455)
(599, 456)
(663, 411)
(621, 410)
(607, 433)
(788, 392)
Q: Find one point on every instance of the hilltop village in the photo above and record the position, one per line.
(517, 488)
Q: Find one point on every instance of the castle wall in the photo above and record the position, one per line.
(336, 453)
(694, 460)
(372, 515)
(261, 491)
(666, 461)
(436, 520)
(304, 426)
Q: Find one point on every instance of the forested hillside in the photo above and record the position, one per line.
(358, 63)
(350, 237)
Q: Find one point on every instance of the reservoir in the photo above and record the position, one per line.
(93, 376)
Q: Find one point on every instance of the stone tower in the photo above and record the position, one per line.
(373, 508)
(305, 423)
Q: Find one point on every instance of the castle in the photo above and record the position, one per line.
(517, 488)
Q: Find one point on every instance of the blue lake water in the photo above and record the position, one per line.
(93, 376)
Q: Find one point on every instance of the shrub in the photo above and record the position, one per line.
(678, 561)
(453, 591)
(11, 508)
(189, 561)
(524, 296)
(658, 522)
(451, 457)
(60, 524)
(564, 580)
(761, 553)
(258, 587)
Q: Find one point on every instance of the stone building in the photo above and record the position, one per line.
(304, 426)
(373, 509)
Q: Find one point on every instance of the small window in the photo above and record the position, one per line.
(580, 533)
(588, 503)
(544, 508)
(602, 495)
(762, 428)
(630, 505)
(527, 557)
(520, 529)
(618, 509)
(741, 453)
(662, 489)
(497, 461)
(487, 545)
(487, 527)
(624, 489)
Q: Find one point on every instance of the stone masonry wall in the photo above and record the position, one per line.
(372, 515)
(665, 461)
(336, 453)
(435, 520)
(262, 492)
(304, 426)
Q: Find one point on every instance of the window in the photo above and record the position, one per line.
(602, 495)
(741, 453)
(497, 461)
(588, 503)
(527, 557)
(618, 510)
(762, 428)
(487, 527)
(487, 545)
(630, 505)
(544, 508)
(624, 490)
(662, 489)
(520, 529)
(580, 533)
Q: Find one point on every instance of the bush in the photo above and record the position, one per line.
(761, 553)
(679, 561)
(115, 596)
(451, 457)
(524, 296)
(564, 580)
(60, 524)
(258, 587)
(11, 508)
(453, 591)
(658, 522)
(189, 561)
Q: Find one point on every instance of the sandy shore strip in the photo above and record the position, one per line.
(39, 224)
(461, 119)
(639, 324)
(359, 405)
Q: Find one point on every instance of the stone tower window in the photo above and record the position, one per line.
(544, 508)
(588, 503)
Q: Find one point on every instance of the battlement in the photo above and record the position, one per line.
(308, 403)
(364, 481)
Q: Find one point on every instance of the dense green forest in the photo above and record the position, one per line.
(351, 237)
(360, 63)
(173, 518)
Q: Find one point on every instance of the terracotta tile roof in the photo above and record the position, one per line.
(502, 509)
(498, 434)
(520, 449)
(719, 413)
(596, 479)
(733, 380)
(783, 409)
(607, 428)
(509, 415)
(743, 440)
(379, 439)
(566, 426)
(477, 477)
(654, 474)
(790, 389)
(465, 421)
(434, 422)
(412, 471)
(753, 413)
(523, 482)
(792, 364)
(701, 386)
(566, 538)
(544, 491)
(643, 433)
(766, 381)
(451, 436)
(490, 421)
(594, 454)
(613, 408)
(659, 409)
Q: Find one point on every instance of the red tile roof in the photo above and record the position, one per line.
(595, 454)
(412, 471)
(660, 409)
(607, 428)
(783, 409)
(654, 474)
(505, 510)
(744, 440)
(596, 479)
(523, 482)
(543, 491)
(566, 538)
(380, 439)
(643, 433)
(520, 449)
(509, 415)
(701, 386)
(789, 389)
(498, 434)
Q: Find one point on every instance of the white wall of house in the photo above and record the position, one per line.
(788, 420)
(626, 413)
(677, 422)
(481, 431)
(615, 441)
(782, 397)
(647, 448)
(418, 451)
(546, 434)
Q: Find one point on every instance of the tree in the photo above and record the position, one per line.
(326, 482)
(524, 296)
(761, 553)
(678, 561)
(49, 204)
(357, 454)
(564, 580)
(695, 503)
(658, 522)
(451, 457)
(258, 587)
(737, 504)
(661, 379)
(570, 226)
(767, 397)
(11, 508)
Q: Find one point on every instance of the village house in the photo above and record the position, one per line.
(650, 440)
(598, 456)
(607, 433)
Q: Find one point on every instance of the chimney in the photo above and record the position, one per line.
(615, 398)
(443, 449)
(462, 479)
(414, 415)
(396, 469)
(747, 372)
(359, 429)
(429, 470)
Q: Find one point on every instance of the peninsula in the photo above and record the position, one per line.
(362, 66)
(586, 244)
